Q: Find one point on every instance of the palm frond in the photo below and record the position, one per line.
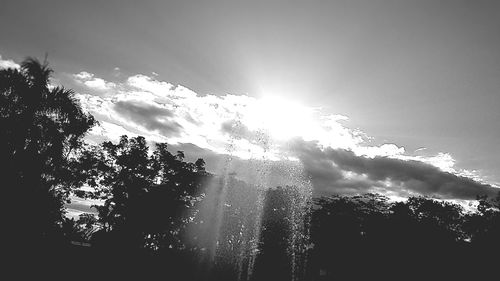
(37, 72)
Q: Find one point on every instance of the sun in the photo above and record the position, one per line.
(280, 118)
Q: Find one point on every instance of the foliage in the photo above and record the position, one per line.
(42, 127)
(145, 194)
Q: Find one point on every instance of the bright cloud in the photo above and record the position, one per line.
(335, 157)
(241, 125)
(238, 124)
(92, 82)
(8, 63)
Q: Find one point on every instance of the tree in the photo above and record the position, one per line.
(42, 127)
(483, 226)
(145, 194)
(342, 227)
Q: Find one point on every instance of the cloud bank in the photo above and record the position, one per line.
(268, 139)
(392, 176)
(335, 158)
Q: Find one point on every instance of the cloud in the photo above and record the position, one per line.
(267, 142)
(271, 141)
(159, 88)
(397, 176)
(151, 117)
(386, 149)
(92, 82)
(79, 206)
(8, 63)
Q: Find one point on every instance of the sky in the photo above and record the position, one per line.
(397, 95)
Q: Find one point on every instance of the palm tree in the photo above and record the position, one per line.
(41, 125)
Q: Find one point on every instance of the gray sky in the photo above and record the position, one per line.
(414, 73)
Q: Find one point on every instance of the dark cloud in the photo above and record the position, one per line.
(321, 170)
(252, 171)
(328, 170)
(326, 167)
(149, 116)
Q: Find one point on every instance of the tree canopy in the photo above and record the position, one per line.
(145, 194)
(42, 127)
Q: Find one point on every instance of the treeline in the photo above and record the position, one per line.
(151, 197)
(369, 235)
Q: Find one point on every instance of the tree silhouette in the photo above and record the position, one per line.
(42, 127)
(369, 232)
(483, 227)
(146, 195)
